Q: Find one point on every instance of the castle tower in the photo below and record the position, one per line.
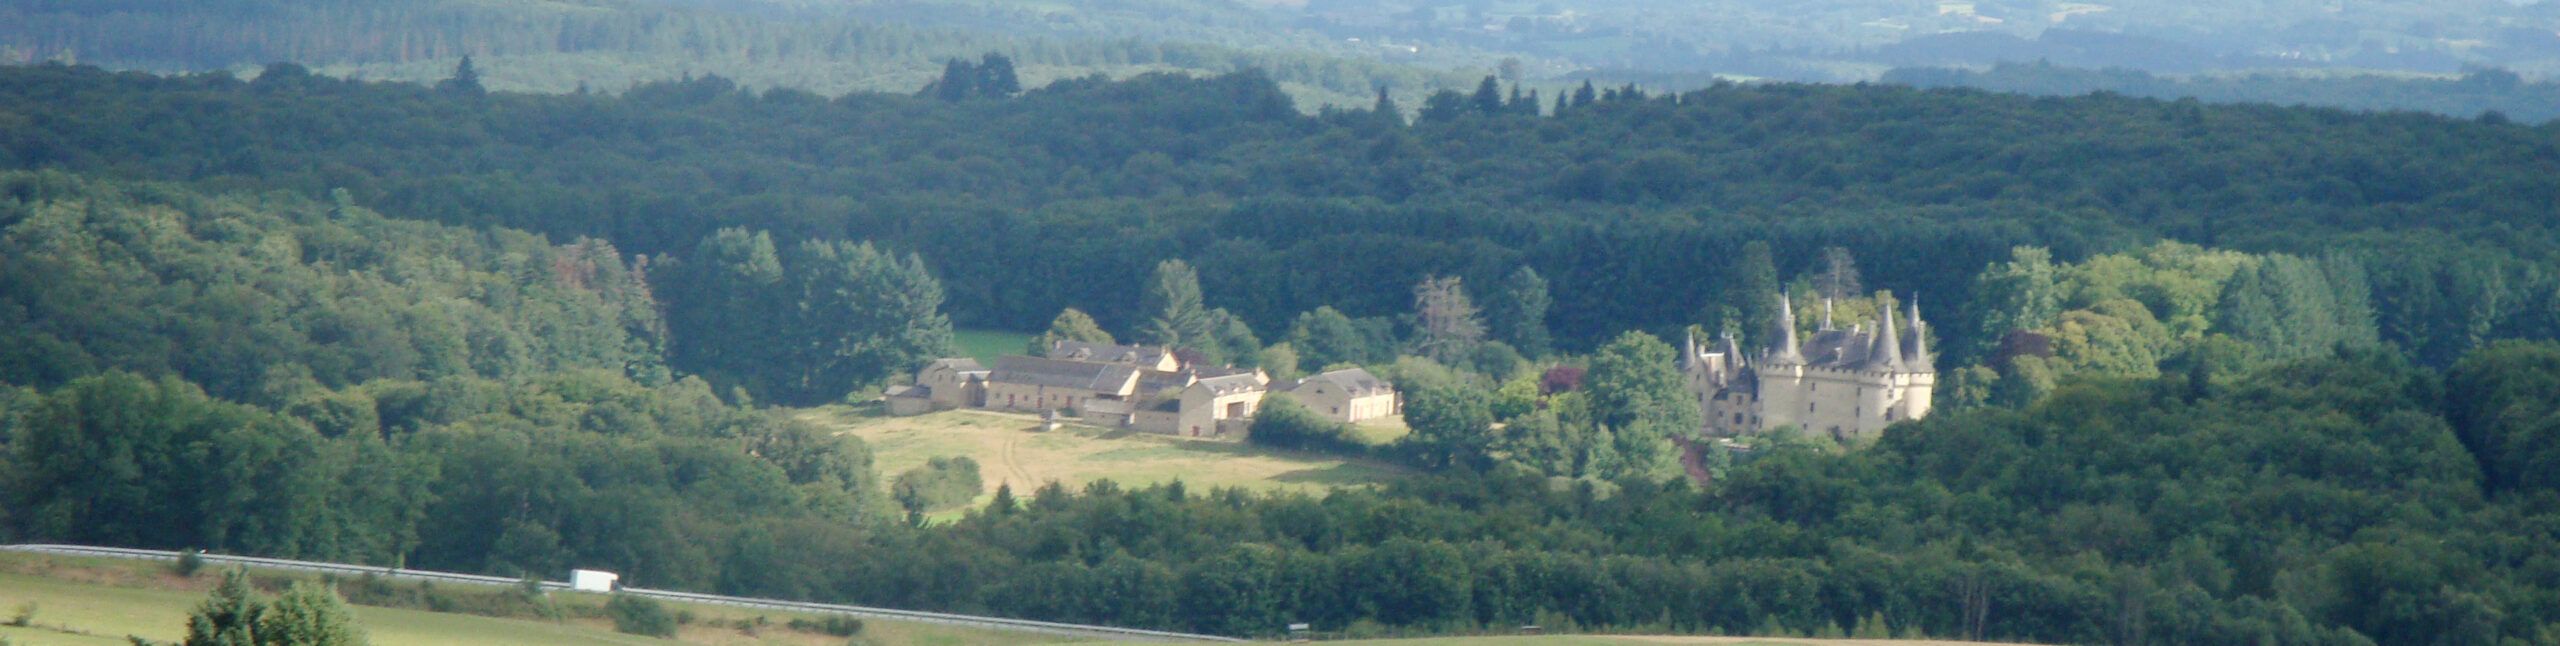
(1787, 352)
(1886, 352)
(1922, 381)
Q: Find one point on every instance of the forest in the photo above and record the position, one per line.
(1632, 204)
(612, 45)
(2477, 92)
(2211, 373)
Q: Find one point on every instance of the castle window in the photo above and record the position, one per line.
(1808, 406)
(1737, 419)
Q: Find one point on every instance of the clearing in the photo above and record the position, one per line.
(85, 601)
(986, 345)
(1011, 450)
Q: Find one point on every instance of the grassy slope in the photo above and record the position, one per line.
(986, 345)
(1009, 450)
(1619, 640)
(100, 601)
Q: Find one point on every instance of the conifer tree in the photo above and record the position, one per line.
(1172, 298)
(995, 77)
(229, 617)
(465, 81)
(1447, 327)
(1751, 293)
(1386, 111)
(309, 614)
(1488, 97)
(1517, 311)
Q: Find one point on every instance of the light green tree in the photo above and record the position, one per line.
(1172, 300)
(1638, 394)
(309, 614)
(1071, 325)
(2015, 295)
(1447, 327)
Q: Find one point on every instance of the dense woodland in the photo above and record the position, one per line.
(2476, 93)
(1632, 205)
(2212, 374)
(611, 45)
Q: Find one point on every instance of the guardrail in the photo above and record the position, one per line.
(891, 614)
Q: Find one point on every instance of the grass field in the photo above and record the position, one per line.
(1672, 640)
(80, 602)
(986, 345)
(1010, 450)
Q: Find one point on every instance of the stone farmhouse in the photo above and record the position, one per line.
(1139, 387)
(1845, 384)
(1347, 395)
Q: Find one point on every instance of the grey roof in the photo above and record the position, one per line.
(1105, 352)
(1356, 381)
(1230, 384)
(1839, 349)
(959, 364)
(1086, 375)
(1787, 353)
(912, 392)
(1156, 381)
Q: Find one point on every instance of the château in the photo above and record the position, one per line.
(1844, 384)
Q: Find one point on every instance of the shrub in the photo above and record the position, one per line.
(838, 625)
(189, 563)
(26, 615)
(941, 483)
(640, 616)
(1283, 423)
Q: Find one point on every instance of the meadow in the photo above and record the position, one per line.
(1011, 450)
(106, 602)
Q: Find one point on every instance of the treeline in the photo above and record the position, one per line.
(2324, 501)
(1632, 205)
(248, 296)
(613, 45)
(273, 375)
(2476, 93)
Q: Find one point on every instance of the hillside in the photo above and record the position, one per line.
(79, 602)
(1633, 205)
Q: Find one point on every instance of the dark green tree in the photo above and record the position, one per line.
(1488, 97)
(1452, 426)
(464, 82)
(1325, 337)
(1751, 293)
(229, 617)
(1516, 312)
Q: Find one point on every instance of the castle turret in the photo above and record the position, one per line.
(1786, 354)
(1920, 360)
(1886, 351)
